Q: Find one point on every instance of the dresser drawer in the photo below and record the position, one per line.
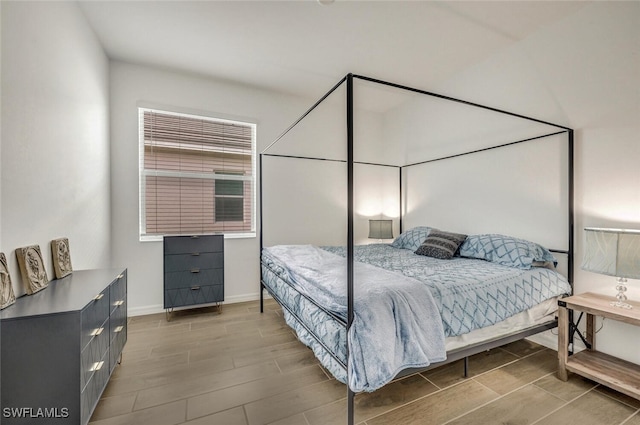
(118, 316)
(118, 320)
(205, 260)
(118, 292)
(93, 390)
(93, 352)
(118, 340)
(193, 244)
(93, 316)
(188, 296)
(191, 279)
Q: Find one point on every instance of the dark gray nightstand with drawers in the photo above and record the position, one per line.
(193, 271)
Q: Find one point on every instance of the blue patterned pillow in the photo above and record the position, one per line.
(505, 250)
(412, 238)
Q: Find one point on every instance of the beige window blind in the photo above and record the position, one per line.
(197, 174)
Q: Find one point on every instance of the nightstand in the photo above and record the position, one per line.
(621, 375)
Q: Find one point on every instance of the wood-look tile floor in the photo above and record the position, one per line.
(242, 367)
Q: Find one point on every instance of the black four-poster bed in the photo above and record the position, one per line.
(272, 275)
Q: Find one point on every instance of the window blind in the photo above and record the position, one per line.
(197, 174)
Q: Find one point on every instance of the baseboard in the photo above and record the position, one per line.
(144, 310)
(549, 339)
(159, 308)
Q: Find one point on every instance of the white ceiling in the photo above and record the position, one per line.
(304, 47)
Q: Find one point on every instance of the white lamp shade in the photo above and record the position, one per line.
(613, 252)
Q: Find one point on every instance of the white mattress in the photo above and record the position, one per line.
(541, 313)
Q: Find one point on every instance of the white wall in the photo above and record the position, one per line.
(519, 190)
(305, 200)
(55, 136)
(131, 84)
(583, 72)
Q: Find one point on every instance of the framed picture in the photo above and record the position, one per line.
(7, 296)
(61, 257)
(34, 276)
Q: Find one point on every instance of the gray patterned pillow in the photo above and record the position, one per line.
(440, 244)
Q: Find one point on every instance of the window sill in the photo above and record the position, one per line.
(158, 238)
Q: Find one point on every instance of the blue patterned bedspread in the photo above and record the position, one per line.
(468, 294)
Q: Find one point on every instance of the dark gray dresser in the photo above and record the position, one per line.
(60, 346)
(193, 270)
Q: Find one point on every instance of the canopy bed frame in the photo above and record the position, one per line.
(567, 209)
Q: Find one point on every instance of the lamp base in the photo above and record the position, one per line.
(621, 298)
(621, 304)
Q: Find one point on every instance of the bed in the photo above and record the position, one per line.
(374, 312)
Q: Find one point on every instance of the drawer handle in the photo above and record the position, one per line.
(98, 297)
(97, 331)
(195, 237)
(195, 270)
(118, 303)
(118, 329)
(96, 366)
(195, 254)
(195, 288)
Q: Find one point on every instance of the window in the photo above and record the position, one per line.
(196, 175)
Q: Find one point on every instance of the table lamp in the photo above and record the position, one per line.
(380, 229)
(613, 252)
